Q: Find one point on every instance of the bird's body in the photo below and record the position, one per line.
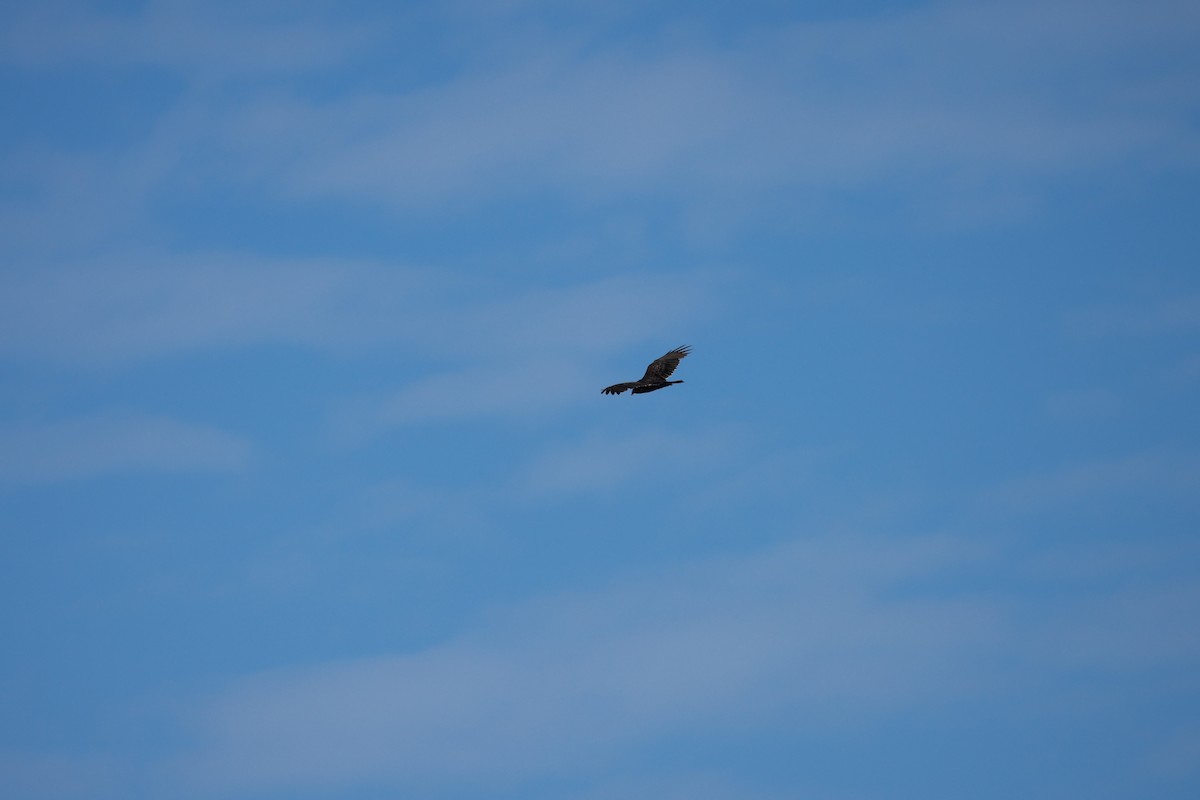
(656, 374)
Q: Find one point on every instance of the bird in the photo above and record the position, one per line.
(656, 374)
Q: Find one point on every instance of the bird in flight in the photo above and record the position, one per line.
(656, 374)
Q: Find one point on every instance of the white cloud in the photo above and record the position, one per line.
(1178, 755)
(1153, 472)
(940, 98)
(1135, 626)
(698, 784)
(1089, 404)
(815, 634)
(209, 40)
(1186, 370)
(603, 462)
(575, 680)
(39, 775)
(521, 389)
(1174, 314)
(152, 306)
(99, 445)
(958, 108)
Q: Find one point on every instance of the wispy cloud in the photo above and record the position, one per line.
(1152, 472)
(1174, 314)
(577, 680)
(1178, 755)
(809, 633)
(1090, 404)
(156, 305)
(213, 40)
(604, 462)
(938, 106)
(515, 389)
(1152, 622)
(99, 445)
(694, 784)
(151, 305)
(1187, 370)
(929, 93)
(60, 776)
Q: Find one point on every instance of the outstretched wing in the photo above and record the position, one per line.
(617, 388)
(661, 368)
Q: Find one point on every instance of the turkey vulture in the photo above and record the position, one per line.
(656, 374)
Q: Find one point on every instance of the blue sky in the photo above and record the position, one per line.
(308, 490)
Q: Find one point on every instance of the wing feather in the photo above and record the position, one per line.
(664, 366)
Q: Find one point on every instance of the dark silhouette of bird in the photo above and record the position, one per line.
(656, 374)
